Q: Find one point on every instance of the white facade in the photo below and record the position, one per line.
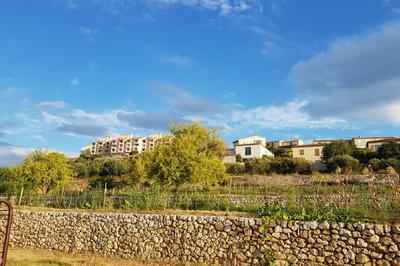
(251, 147)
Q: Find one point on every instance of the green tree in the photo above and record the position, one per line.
(364, 155)
(112, 166)
(389, 150)
(280, 152)
(347, 163)
(190, 156)
(337, 148)
(7, 181)
(239, 158)
(45, 170)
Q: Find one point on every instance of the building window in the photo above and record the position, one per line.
(316, 152)
(247, 151)
(301, 152)
(257, 141)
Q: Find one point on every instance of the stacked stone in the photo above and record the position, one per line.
(326, 243)
(196, 239)
(208, 239)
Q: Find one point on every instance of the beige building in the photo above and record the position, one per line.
(122, 145)
(284, 143)
(251, 147)
(361, 143)
(310, 152)
(375, 144)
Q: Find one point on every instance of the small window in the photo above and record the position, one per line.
(301, 152)
(316, 152)
(257, 141)
(247, 151)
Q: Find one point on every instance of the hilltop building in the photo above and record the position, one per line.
(312, 153)
(375, 144)
(284, 143)
(361, 143)
(251, 147)
(122, 145)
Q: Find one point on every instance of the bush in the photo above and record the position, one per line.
(337, 148)
(109, 166)
(258, 166)
(291, 166)
(235, 168)
(6, 180)
(389, 150)
(375, 164)
(347, 163)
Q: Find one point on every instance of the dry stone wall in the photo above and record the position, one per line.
(208, 239)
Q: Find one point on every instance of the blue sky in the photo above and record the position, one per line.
(72, 71)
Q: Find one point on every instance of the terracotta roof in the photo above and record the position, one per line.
(375, 138)
(309, 145)
(384, 140)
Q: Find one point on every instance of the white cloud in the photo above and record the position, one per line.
(12, 154)
(51, 105)
(39, 138)
(176, 59)
(356, 79)
(271, 49)
(89, 33)
(224, 7)
(75, 82)
(287, 116)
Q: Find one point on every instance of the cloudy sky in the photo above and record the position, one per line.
(72, 71)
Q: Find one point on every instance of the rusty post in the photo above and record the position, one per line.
(3, 258)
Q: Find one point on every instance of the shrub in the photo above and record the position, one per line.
(337, 148)
(291, 166)
(109, 166)
(235, 168)
(347, 163)
(375, 164)
(389, 150)
(258, 166)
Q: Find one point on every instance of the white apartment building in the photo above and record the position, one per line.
(251, 147)
(122, 145)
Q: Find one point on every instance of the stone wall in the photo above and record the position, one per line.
(208, 239)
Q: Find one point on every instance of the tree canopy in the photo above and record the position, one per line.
(44, 170)
(190, 156)
(337, 148)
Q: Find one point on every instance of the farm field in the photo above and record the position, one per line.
(340, 198)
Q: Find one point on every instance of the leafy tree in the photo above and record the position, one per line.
(291, 166)
(281, 152)
(111, 166)
(239, 158)
(337, 148)
(235, 168)
(347, 163)
(375, 164)
(364, 155)
(45, 170)
(389, 150)
(190, 156)
(81, 169)
(258, 166)
(7, 182)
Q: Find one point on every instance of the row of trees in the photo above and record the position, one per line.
(190, 156)
(267, 165)
(348, 158)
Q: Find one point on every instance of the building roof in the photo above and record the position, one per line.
(250, 144)
(308, 145)
(384, 140)
(375, 138)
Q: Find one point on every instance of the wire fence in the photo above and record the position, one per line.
(384, 207)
